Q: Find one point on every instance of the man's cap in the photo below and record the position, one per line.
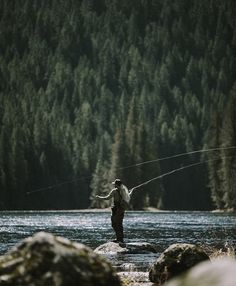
(117, 182)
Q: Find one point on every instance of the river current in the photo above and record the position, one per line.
(94, 228)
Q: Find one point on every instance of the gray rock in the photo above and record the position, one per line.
(125, 248)
(221, 272)
(175, 260)
(47, 260)
(135, 278)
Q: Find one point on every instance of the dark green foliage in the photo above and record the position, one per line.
(89, 87)
(222, 172)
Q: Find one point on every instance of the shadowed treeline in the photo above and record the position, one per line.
(88, 87)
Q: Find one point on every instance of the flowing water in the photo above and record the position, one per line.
(93, 229)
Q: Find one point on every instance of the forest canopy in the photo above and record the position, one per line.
(90, 87)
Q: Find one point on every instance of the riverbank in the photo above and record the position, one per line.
(99, 210)
(152, 209)
(224, 211)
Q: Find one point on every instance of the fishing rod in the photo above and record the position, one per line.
(177, 170)
(134, 165)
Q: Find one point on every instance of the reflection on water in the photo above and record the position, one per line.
(93, 228)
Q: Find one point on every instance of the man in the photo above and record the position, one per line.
(121, 197)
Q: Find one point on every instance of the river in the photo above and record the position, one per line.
(93, 229)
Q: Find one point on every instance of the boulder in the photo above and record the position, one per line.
(125, 248)
(44, 260)
(175, 260)
(221, 272)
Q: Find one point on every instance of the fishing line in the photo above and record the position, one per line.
(179, 169)
(178, 155)
(135, 165)
(57, 185)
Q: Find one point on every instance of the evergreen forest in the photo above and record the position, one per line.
(90, 90)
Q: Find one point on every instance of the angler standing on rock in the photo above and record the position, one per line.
(121, 197)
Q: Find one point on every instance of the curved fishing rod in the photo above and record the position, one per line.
(131, 166)
(177, 170)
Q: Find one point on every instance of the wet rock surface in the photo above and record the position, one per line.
(44, 260)
(126, 248)
(135, 278)
(136, 256)
(175, 260)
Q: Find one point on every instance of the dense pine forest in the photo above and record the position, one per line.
(90, 89)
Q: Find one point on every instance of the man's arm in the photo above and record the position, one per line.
(109, 196)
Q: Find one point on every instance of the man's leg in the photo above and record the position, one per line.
(117, 223)
(114, 220)
(120, 231)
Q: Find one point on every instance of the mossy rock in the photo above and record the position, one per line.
(48, 260)
(175, 260)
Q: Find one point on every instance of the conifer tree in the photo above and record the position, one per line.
(214, 165)
(229, 160)
(148, 74)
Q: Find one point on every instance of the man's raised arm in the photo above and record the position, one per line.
(109, 196)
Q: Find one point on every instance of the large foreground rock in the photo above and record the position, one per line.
(221, 272)
(125, 248)
(175, 260)
(47, 260)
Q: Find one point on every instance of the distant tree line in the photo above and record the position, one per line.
(90, 88)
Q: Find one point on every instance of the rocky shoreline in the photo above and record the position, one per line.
(45, 259)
